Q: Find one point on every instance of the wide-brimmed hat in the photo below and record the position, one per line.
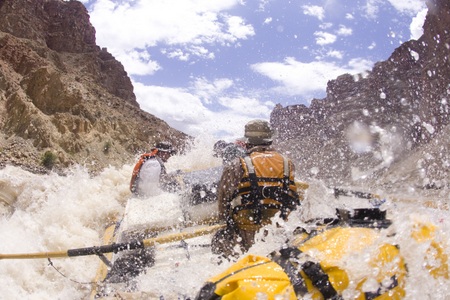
(258, 132)
(165, 147)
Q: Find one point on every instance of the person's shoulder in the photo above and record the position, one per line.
(147, 154)
(261, 149)
(152, 160)
(232, 164)
(233, 149)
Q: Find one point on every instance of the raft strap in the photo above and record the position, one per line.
(284, 260)
(380, 291)
(320, 280)
(313, 270)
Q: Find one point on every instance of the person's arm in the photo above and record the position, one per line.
(170, 182)
(292, 168)
(228, 184)
(135, 174)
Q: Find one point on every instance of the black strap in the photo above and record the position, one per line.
(380, 291)
(255, 193)
(320, 280)
(270, 179)
(161, 163)
(208, 292)
(284, 259)
(287, 259)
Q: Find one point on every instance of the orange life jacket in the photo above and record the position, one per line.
(137, 168)
(267, 184)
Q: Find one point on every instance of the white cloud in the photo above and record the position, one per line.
(201, 52)
(193, 32)
(324, 38)
(359, 65)
(371, 8)
(127, 26)
(417, 24)
(238, 29)
(344, 31)
(411, 7)
(248, 106)
(138, 62)
(325, 25)
(268, 21)
(184, 110)
(207, 90)
(372, 46)
(304, 79)
(262, 4)
(177, 107)
(314, 10)
(335, 54)
(177, 53)
(239, 110)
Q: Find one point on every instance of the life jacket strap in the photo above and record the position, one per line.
(254, 195)
(257, 206)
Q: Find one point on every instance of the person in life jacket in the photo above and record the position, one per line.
(343, 258)
(229, 151)
(149, 174)
(252, 189)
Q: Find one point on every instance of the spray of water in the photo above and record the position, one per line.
(54, 212)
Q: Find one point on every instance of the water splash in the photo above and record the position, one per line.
(54, 213)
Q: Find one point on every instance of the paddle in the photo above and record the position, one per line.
(98, 250)
(373, 199)
(345, 192)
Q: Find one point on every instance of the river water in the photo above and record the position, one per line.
(56, 213)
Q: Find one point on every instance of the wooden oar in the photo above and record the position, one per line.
(97, 250)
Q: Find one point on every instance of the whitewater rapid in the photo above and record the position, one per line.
(54, 213)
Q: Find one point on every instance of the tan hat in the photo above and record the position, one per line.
(258, 132)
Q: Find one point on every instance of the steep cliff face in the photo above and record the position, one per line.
(60, 92)
(369, 124)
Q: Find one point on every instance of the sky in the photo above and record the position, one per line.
(207, 67)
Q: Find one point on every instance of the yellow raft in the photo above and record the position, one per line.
(316, 264)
